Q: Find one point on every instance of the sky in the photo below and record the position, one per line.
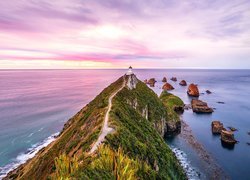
(75, 34)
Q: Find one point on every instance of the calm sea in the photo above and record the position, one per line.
(34, 105)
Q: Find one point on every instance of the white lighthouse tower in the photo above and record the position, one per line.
(130, 72)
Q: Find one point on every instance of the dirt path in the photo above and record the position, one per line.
(105, 129)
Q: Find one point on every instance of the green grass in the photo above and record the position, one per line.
(171, 101)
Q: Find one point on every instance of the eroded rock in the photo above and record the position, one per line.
(217, 127)
(199, 106)
(167, 87)
(164, 79)
(193, 90)
(174, 79)
(228, 137)
(183, 83)
(151, 82)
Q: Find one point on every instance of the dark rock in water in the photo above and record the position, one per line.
(220, 102)
(227, 137)
(248, 143)
(164, 79)
(174, 79)
(217, 127)
(202, 93)
(193, 90)
(208, 92)
(151, 82)
(232, 128)
(179, 109)
(248, 133)
(187, 106)
(167, 87)
(173, 128)
(183, 83)
(199, 106)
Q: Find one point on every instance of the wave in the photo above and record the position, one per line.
(23, 157)
(190, 171)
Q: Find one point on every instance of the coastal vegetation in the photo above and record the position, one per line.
(135, 150)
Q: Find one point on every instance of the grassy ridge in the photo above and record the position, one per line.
(135, 150)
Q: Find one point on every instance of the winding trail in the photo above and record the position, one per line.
(105, 129)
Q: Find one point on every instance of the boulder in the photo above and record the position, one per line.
(217, 127)
(167, 87)
(208, 92)
(193, 90)
(183, 83)
(220, 102)
(174, 79)
(164, 79)
(151, 82)
(199, 106)
(227, 137)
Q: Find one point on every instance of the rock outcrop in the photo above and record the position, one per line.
(183, 83)
(164, 79)
(151, 82)
(174, 79)
(132, 81)
(217, 127)
(193, 90)
(167, 87)
(199, 106)
(228, 137)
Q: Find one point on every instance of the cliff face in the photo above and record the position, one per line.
(138, 118)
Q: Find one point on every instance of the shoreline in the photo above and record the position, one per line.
(213, 170)
(24, 157)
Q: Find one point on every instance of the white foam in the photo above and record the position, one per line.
(23, 157)
(190, 171)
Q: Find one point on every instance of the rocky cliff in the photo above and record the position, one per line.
(138, 118)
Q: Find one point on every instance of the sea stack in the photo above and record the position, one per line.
(193, 90)
(228, 137)
(151, 82)
(164, 79)
(174, 79)
(183, 83)
(199, 106)
(167, 87)
(217, 127)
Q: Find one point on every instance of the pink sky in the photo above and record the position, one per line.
(120, 33)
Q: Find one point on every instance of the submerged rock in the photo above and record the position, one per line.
(208, 92)
(174, 79)
(220, 102)
(187, 106)
(193, 90)
(199, 106)
(167, 87)
(232, 128)
(248, 133)
(217, 127)
(228, 137)
(164, 79)
(183, 83)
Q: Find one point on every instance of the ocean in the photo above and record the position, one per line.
(35, 104)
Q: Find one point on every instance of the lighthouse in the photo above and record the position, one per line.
(130, 72)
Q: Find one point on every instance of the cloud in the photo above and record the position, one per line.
(126, 31)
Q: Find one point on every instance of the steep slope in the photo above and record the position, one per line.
(135, 149)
